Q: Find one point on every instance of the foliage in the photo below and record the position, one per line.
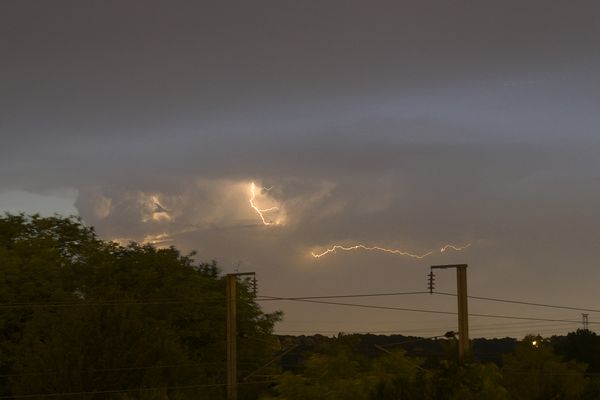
(583, 346)
(535, 372)
(396, 376)
(337, 371)
(467, 381)
(83, 315)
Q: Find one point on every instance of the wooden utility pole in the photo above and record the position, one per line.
(231, 290)
(231, 337)
(463, 311)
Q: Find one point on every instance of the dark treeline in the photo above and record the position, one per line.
(405, 367)
(90, 319)
(430, 349)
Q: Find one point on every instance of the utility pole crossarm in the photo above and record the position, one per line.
(448, 266)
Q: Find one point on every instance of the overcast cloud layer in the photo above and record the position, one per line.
(407, 125)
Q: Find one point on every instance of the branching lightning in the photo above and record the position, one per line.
(368, 248)
(261, 211)
(457, 248)
(336, 247)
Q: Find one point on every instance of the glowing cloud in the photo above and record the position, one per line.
(261, 211)
(151, 208)
(158, 239)
(159, 213)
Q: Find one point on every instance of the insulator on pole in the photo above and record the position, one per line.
(431, 282)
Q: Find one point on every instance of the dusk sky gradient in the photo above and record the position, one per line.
(402, 124)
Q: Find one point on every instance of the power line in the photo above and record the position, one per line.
(94, 370)
(411, 341)
(303, 300)
(277, 357)
(352, 331)
(534, 325)
(117, 369)
(144, 389)
(478, 326)
(105, 303)
(547, 373)
(515, 326)
(369, 306)
(385, 294)
(270, 298)
(522, 302)
(166, 301)
(524, 324)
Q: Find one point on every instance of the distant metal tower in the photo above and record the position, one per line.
(584, 321)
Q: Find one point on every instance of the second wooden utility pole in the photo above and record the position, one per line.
(463, 311)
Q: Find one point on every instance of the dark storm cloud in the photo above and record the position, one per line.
(409, 124)
(113, 68)
(144, 87)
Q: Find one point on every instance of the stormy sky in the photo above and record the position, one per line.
(402, 124)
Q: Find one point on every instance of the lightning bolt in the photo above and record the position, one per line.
(336, 247)
(369, 248)
(457, 248)
(261, 211)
